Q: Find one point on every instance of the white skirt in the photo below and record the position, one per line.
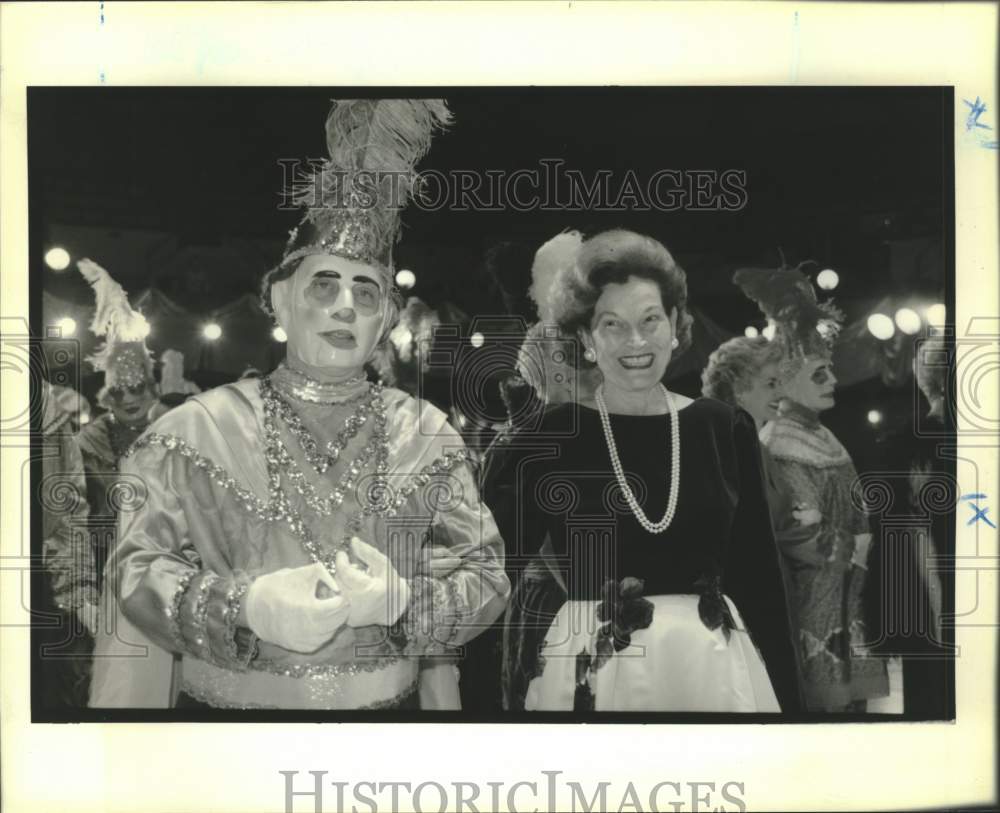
(676, 664)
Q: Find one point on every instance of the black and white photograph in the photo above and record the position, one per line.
(490, 405)
(503, 407)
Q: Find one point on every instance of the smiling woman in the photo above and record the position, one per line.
(652, 515)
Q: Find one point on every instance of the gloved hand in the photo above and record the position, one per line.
(283, 608)
(862, 545)
(377, 597)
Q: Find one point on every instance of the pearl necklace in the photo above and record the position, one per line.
(616, 464)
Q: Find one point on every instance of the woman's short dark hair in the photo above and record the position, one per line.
(614, 257)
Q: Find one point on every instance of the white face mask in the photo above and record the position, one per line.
(813, 385)
(333, 311)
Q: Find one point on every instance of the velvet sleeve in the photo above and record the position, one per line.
(167, 577)
(510, 469)
(752, 576)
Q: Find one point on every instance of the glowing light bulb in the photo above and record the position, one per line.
(881, 326)
(908, 321)
(406, 278)
(211, 331)
(828, 279)
(936, 315)
(279, 335)
(874, 417)
(751, 332)
(57, 259)
(477, 339)
(67, 325)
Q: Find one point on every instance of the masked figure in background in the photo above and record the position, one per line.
(747, 373)
(547, 376)
(128, 393)
(311, 540)
(70, 590)
(827, 574)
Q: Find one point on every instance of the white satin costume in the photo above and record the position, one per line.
(211, 520)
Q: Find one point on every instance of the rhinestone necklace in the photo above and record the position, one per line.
(616, 464)
(319, 461)
(306, 388)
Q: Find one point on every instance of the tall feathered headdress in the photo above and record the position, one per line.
(786, 297)
(123, 358)
(353, 202)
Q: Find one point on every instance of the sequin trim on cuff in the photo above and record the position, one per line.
(234, 600)
(173, 612)
(199, 616)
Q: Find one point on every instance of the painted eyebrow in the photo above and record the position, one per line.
(363, 278)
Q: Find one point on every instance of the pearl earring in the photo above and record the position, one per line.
(674, 343)
(590, 355)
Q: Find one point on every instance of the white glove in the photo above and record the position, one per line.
(88, 614)
(377, 597)
(283, 608)
(862, 545)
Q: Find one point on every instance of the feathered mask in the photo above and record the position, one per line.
(123, 357)
(353, 202)
(786, 297)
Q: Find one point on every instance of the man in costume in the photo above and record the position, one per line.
(310, 540)
(828, 574)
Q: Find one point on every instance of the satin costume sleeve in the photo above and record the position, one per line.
(448, 609)
(67, 553)
(182, 603)
(752, 575)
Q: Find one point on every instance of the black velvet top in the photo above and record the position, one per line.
(556, 480)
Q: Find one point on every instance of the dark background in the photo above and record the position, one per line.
(178, 190)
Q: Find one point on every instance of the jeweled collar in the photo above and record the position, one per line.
(302, 387)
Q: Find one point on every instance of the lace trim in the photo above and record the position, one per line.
(199, 614)
(274, 508)
(310, 670)
(173, 612)
(210, 699)
(234, 600)
(393, 702)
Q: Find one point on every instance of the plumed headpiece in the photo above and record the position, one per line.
(803, 325)
(123, 358)
(557, 253)
(353, 202)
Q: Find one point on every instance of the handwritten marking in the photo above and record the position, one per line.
(102, 12)
(973, 124)
(978, 513)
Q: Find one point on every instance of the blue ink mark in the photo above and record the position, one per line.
(795, 48)
(978, 513)
(102, 77)
(976, 109)
(102, 12)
